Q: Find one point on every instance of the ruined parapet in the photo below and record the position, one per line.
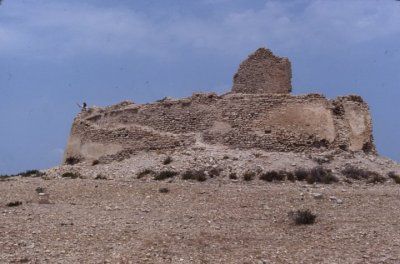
(260, 113)
(263, 73)
(271, 122)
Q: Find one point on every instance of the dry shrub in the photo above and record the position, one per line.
(71, 175)
(302, 217)
(143, 173)
(167, 160)
(321, 175)
(197, 175)
(301, 174)
(394, 176)
(165, 175)
(249, 175)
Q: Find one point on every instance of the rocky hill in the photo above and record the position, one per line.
(256, 175)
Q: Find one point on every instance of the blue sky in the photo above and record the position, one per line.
(54, 54)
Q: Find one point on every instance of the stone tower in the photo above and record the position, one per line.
(263, 73)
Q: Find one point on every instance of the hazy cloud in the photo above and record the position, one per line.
(58, 29)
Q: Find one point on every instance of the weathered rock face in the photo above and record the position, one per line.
(260, 115)
(263, 73)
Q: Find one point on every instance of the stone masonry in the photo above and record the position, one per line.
(277, 121)
(263, 73)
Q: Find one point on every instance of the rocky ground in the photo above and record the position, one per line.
(118, 218)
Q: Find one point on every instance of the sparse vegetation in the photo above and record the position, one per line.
(71, 175)
(376, 178)
(302, 217)
(31, 173)
(215, 172)
(95, 162)
(394, 176)
(249, 175)
(167, 160)
(163, 190)
(198, 175)
(321, 175)
(301, 174)
(233, 176)
(100, 177)
(72, 160)
(225, 157)
(273, 176)
(14, 204)
(357, 173)
(39, 190)
(290, 176)
(165, 175)
(143, 173)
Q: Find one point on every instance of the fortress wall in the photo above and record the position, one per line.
(273, 122)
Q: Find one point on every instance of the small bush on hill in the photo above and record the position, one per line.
(71, 175)
(167, 160)
(302, 217)
(376, 178)
(273, 176)
(357, 173)
(290, 176)
(215, 172)
(31, 173)
(301, 174)
(72, 160)
(321, 175)
(163, 190)
(198, 175)
(165, 175)
(394, 176)
(100, 177)
(233, 176)
(40, 190)
(143, 173)
(14, 204)
(95, 162)
(249, 175)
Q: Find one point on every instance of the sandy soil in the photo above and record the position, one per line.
(130, 221)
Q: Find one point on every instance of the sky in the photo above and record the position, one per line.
(56, 53)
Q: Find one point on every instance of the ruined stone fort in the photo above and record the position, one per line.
(258, 113)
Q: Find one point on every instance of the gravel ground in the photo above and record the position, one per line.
(131, 221)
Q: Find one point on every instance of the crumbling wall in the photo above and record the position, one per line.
(263, 72)
(272, 122)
